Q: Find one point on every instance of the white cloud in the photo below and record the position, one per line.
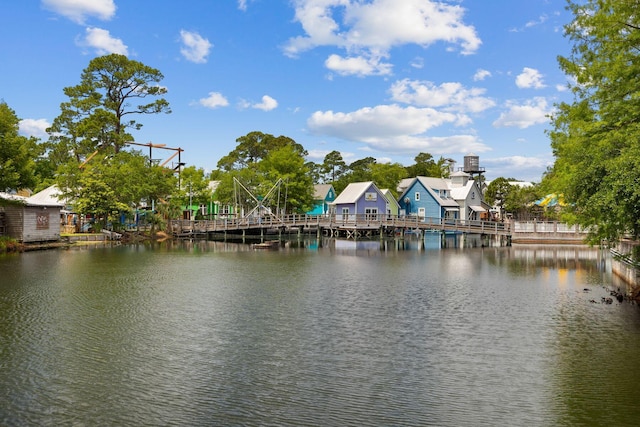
(267, 104)
(529, 78)
(242, 4)
(357, 27)
(394, 129)
(533, 112)
(481, 74)
(79, 10)
(102, 42)
(358, 65)
(195, 47)
(34, 127)
(519, 167)
(417, 62)
(214, 100)
(450, 96)
(541, 20)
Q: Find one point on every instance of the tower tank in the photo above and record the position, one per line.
(472, 164)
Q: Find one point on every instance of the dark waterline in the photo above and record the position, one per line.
(316, 333)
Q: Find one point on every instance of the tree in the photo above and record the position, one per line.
(388, 175)
(426, 166)
(497, 192)
(123, 181)
(17, 153)
(333, 166)
(288, 165)
(195, 187)
(596, 138)
(257, 163)
(96, 116)
(255, 146)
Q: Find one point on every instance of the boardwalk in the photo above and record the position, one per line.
(351, 226)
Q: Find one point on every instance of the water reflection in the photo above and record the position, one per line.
(414, 331)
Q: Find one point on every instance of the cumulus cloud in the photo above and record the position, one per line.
(529, 78)
(79, 10)
(214, 100)
(357, 28)
(34, 127)
(394, 129)
(102, 41)
(525, 168)
(480, 75)
(195, 48)
(357, 65)
(267, 104)
(449, 96)
(532, 112)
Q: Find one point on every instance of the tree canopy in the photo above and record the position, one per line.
(98, 114)
(259, 162)
(17, 153)
(596, 138)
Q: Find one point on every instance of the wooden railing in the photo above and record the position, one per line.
(352, 221)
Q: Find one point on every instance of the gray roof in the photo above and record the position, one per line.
(353, 192)
(321, 190)
(50, 196)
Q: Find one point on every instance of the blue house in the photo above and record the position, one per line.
(359, 198)
(324, 194)
(426, 197)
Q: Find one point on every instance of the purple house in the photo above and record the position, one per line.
(359, 198)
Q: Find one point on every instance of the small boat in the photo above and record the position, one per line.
(271, 244)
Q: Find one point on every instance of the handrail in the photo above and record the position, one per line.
(351, 221)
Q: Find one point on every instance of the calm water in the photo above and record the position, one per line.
(332, 334)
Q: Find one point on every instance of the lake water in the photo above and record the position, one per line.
(318, 333)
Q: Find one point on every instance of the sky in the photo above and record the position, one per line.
(387, 79)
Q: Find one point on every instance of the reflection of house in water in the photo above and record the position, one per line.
(357, 245)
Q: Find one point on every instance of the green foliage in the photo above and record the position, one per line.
(256, 165)
(119, 182)
(333, 166)
(194, 186)
(96, 116)
(17, 153)
(596, 138)
(254, 147)
(426, 166)
(388, 175)
(8, 244)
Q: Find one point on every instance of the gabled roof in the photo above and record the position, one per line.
(321, 191)
(431, 184)
(461, 193)
(389, 196)
(50, 196)
(353, 192)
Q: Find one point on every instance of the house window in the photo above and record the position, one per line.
(371, 213)
(417, 196)
(473, 195)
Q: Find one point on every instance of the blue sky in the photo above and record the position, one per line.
(382, 78)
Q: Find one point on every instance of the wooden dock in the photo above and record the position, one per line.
(349, 226)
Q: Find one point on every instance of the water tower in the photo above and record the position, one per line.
(472, 166)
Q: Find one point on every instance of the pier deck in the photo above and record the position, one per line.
(338, 225)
